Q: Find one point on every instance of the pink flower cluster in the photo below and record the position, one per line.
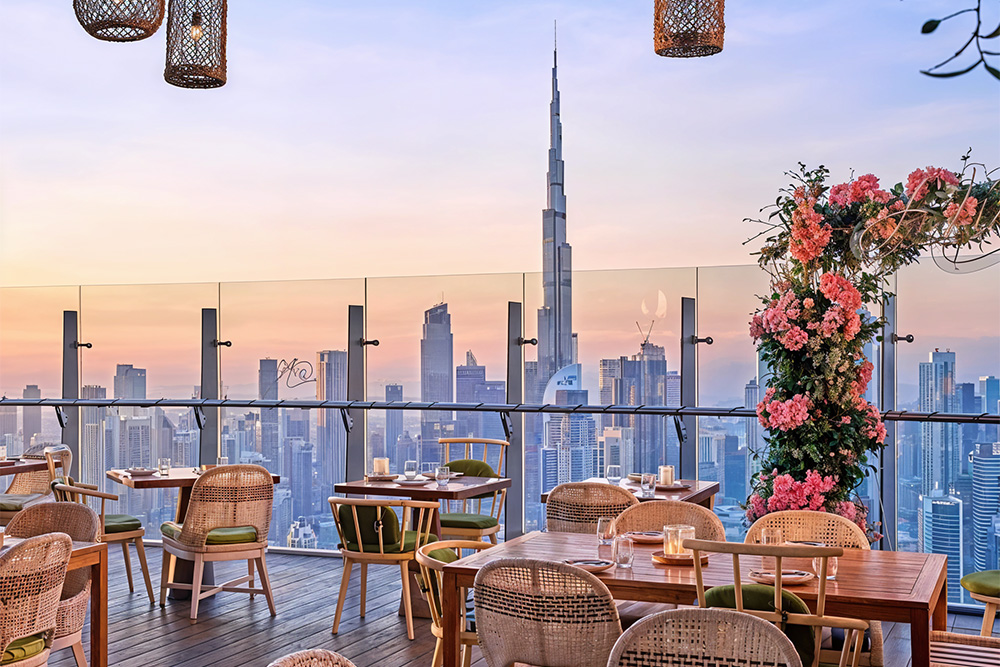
(783, 415)
(846, 301)
(874, 428)
(788, 494)
(862, 190)
(794, 339)
(962, 214)
(839, 289)
(776, 317)
(920, 181)
(809, 235)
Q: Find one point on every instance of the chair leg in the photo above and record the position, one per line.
(140, 551)
(466, 655)
(199, 572)
(345, 578)
(364, 587)
(266, 584)
(493, 538)
(250, 572)
(438, 658)
(405, 573)
(128, 566)
(166, 575)
(79, 655)
(989, 614)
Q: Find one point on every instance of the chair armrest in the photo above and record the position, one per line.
(84, 491)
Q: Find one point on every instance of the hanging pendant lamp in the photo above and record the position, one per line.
(119, 20)
(196, 43)
(688, 28)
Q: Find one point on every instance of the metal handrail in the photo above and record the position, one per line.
(697, 411)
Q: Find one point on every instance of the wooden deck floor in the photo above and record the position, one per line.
(234, 631)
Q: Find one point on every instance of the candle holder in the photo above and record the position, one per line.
(673, 539)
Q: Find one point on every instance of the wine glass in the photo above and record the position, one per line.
(605, 530)
(410, 470)
(614, 474)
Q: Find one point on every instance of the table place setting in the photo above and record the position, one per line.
(590, 564)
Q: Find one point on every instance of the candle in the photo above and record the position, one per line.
(667, 475)
(673, 539)
(380, 466)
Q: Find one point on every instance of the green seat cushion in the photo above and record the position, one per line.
(761, 598)
(120, 523)
(237, 535)
(467, 520)
(473, 468)
(12, 502)
(983, 583)
(21, 649)
(409, 544)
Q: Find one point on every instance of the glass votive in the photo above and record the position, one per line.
(380, 466)
(222, 461)
(667, 475)
(163, 465)
(674, 536)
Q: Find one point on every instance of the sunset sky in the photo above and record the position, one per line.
(410, 138)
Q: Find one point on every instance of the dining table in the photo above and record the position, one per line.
(896, 586)
(699, 492)
(17, 466)
(95, 556)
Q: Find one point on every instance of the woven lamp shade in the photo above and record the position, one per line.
(119, 20)
(688, 28)
(196, 43)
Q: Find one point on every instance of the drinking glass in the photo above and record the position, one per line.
(605, 530)
(223, 461)
(773, 537)
(443, 474)
(648, 484)
(831, 567)
(410, 470)
(163, 465)
(614, 474)
(622, 551)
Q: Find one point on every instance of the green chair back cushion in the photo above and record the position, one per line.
(983, 583)
(467, 520)
(24, 648)
(120, 523)
(12, 502)
(760, 597)
(237, 535)
(368, 518)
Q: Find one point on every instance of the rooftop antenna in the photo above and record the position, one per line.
(645, 340)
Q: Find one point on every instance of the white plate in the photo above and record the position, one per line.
(413, 482)
(141, 472)
(590, 564)
(788, 577)
(431, 475)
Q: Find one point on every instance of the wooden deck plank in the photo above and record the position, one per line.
(233, 631)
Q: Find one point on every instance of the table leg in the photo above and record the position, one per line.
(939, 620)
(99, 610)
(184, 569)
(451, 616)
(920, 638)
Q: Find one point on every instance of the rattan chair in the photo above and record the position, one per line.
(227, 519)
(696, 637)
(315, 657)
(121, 529)
(655, 514)
(370, 534)
(81, 524)
(575, 507)
(950, 649)
(475, 524)
(832, 530)
(543, 613)
(778, 610)
(32, 488)
(32, 574)
(432, 558)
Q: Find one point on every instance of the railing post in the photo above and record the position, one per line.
(208, 449)
(71, 386)
(355, 464)
(689, 387)
(887, 386)
(514, 525)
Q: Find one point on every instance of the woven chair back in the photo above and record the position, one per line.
(543, 613)
(432, 571)
(315, 657)
(59, 459)
(832, 530)
(78, 521)
(703, 637)
(575, 507)
(231, 496)
(777, 614)
(655, 514)
(31, 580)
(371, 526)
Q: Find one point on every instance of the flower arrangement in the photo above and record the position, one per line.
(830, 253)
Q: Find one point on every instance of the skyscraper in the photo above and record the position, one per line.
(31, 416)
(984, 462)
(939, 443)
(467, 378)
(267, 389)
(130, 382)
(393, 426)
(941, 520)
(989, 392)
(92, 445)
(436, 358)
(331, 438)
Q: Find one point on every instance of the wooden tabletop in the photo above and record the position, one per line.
(458, 488)
(699, 492)
(881, 585)
(24, 465)
(178, 477)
